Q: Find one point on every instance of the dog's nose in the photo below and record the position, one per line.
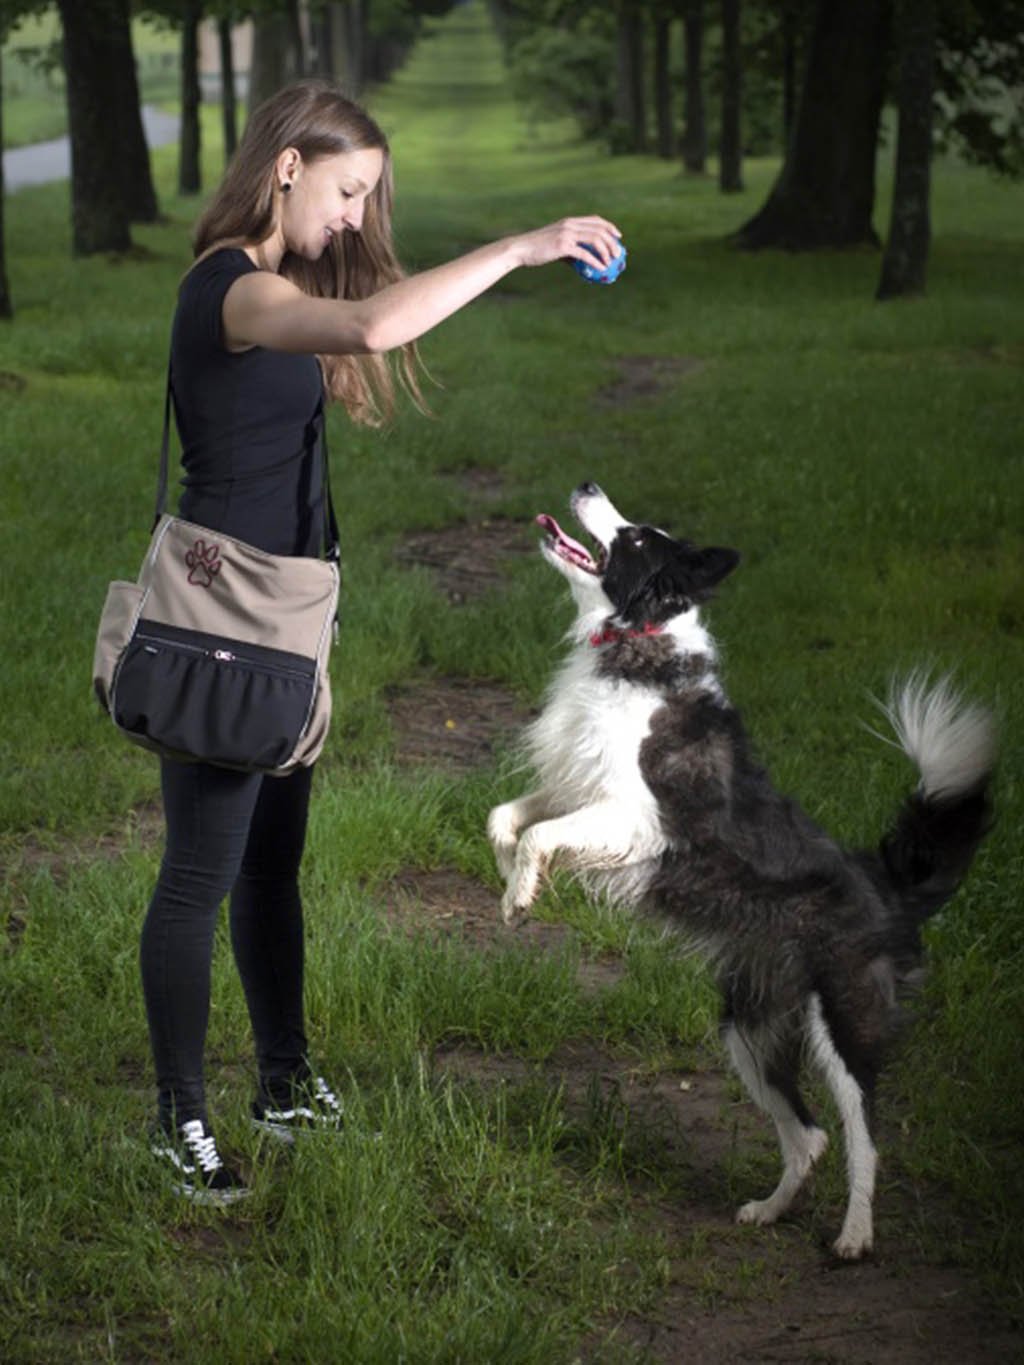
(589, 490)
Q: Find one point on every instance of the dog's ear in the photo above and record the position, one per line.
(711, 565)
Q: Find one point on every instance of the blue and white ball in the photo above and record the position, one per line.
(594, 274)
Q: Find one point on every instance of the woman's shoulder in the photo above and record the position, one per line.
(202, 291)
(218, 263)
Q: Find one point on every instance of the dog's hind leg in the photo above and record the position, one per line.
(769, 1070)
(852, 1098)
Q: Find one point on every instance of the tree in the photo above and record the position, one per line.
(228, 97)
(661, 28)
(825, 193)
(730, 160)
(630, 100)
(6, 307)
(104, 93)
(11, 11)
(93, 46)
(695, 136)
(278, 53)
(906, 254)
(354, 17)
(124, 112)
(790, 27)
(190, 135)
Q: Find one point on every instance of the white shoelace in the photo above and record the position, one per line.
(202, 1144)
(326, 1096)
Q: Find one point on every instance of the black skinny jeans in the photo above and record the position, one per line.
(241, 833)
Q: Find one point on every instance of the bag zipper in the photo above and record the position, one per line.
(225, 656)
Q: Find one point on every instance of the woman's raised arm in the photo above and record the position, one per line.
(263, 309)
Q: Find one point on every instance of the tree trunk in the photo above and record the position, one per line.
(339, 44)
(189, 172)
(6, 308)
(630, 105)
(695, 136)
(825, 194)
(228, 97)
(905, 263)
(99, 207)
(730, 157)
(297, 38)
(275, 58)
(125, 111)
(322, 55)
(663, 86)
(356, 15)
(790, 28)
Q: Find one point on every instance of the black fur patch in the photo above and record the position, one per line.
(650, 660)
(652, 578)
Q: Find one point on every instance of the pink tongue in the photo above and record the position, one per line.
(552, 527)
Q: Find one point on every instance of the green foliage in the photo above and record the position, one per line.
(561, 71)
(980, 100)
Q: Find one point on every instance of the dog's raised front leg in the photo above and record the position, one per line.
(505, 822)
(601, 835)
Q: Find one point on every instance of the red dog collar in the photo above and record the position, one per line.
(612, 635)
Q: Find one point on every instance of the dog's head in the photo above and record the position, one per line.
(639, 575)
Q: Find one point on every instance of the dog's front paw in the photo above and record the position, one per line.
(759, 1213)
(503, 834)
(856, 1239)
(519, 896)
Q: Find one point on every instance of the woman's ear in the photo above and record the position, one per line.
(287, 165)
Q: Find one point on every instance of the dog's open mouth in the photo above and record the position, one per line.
(568, 549)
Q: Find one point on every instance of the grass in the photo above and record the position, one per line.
(865, 458)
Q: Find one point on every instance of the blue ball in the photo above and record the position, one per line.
(594, 274)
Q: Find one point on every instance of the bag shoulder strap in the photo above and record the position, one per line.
(331, 539)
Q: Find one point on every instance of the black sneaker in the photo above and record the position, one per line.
(199, 1173)
(313, 1107)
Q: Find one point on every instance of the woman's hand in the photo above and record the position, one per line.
(562, 241)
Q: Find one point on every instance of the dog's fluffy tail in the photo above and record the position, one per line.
(939, 828)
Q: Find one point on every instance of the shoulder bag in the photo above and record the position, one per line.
(218, 653)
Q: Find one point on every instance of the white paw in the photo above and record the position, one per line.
(852, 1244)
(759, 1212)
(513, 907)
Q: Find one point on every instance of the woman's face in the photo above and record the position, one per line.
(327, 196)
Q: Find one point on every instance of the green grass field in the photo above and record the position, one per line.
(865, 458)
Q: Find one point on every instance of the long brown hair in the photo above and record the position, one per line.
(316, 119)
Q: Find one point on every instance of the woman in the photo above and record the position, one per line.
(295, 295)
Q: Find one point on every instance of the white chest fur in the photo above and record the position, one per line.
(585, 746)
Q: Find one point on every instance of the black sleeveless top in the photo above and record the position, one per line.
(247, 423)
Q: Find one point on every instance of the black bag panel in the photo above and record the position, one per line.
(220, 701)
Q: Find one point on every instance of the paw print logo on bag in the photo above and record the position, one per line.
(204, 563)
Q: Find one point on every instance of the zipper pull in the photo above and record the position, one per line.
(223, 656)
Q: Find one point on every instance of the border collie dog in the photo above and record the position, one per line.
(650, 794)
